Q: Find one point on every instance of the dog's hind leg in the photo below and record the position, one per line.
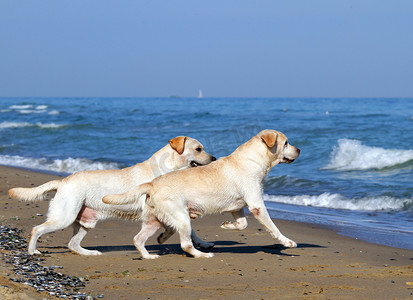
(198, 242)
(50, 225)
(240, 221)
(79, 232)
(149, 227)
(63, 209)
(86, 219)
(184, 229)
(37, 231)
(164, 236)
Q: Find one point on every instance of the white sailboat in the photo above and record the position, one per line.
(200, 94)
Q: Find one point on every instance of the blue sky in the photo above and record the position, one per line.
(224, 48)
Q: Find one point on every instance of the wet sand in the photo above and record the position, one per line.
(246, 264)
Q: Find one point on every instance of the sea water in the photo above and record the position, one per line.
(355, 171)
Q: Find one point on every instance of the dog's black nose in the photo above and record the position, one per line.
(213, 158)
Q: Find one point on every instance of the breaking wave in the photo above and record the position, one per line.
(5, 125)
(337, 201)
(27, 109)
(68, 165)
(353, 155)
(18, 107)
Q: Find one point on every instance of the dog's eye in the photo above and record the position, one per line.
(199, 149)
(286, 144)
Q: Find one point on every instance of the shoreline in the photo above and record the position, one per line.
(388, 234)
(246, 263)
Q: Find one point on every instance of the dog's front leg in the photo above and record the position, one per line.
(240, 221)
(259, 211)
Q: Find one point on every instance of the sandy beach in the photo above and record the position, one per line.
(246, 264)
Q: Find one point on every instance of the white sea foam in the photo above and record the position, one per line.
(353, 155)
(26, 106)
(337, 201)
(31, 111)
(54, 112)
(28, 109)
(5, 125)
(50, 125)
(69, 165)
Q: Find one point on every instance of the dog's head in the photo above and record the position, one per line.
(278, 148)
(191, 152)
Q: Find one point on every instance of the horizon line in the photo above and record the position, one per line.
(214, 97)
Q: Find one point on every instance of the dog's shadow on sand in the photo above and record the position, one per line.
(235, 247)
(220, 247)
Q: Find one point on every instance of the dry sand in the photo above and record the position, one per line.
(325, 265)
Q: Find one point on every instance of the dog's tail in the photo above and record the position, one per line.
(130, 197)
(34, 194)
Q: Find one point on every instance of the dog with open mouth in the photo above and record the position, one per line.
(226, 185)
(78, 198)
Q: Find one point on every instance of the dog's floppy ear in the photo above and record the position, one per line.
(270, 139)
(178, 144)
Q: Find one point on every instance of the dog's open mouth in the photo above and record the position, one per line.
(195, 164)
(288, 161)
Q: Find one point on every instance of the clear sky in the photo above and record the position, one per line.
(308, 48)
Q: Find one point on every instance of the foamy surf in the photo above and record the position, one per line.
(351, 155)
(337, 201)
(67, 166)
(5, 125)
(28, 109)
(18, 107)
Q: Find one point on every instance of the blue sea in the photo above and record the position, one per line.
(354, 174)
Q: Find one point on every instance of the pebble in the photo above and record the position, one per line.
(29, 271)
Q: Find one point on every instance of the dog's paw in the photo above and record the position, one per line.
(151, 256)
(93, 252)
(228, 225)
(162, 238)
(34, 252)
(233, 225)
(289, 243)
(205, 255)
(205, 245)
(82, 251)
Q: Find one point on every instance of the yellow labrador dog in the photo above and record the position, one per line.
(78, 200)
(226, 185)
